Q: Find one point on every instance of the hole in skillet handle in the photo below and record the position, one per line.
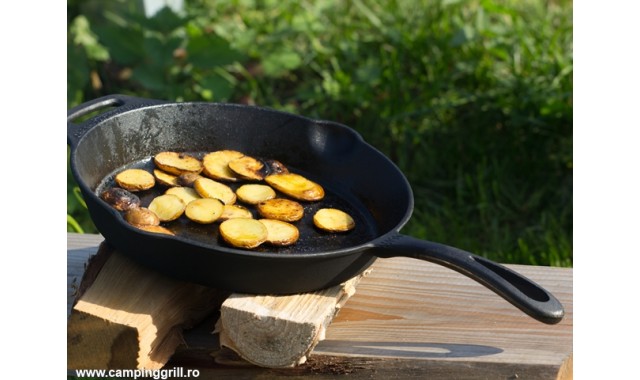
(526, 287)
(520, 291)
(92, 108)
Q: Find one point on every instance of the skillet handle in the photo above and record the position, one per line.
(521, 292)
(104, 104)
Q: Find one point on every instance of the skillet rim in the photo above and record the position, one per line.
(144, 104)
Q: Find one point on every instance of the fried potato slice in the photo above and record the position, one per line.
(243, 232)
(235, 211)
(135, 179)
(204, 210)
(164, 178)
(254, 193)
(168, 207)
(141, 216)
(208, 188)
(280, 233)
(187, 194)
(177, 163)
(249, 168)
(296, 186)
(120, 199)
(333, 220)
(156, 229)
(281, 209)
(216, 165)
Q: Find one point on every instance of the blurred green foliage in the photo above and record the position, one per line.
(472, 99)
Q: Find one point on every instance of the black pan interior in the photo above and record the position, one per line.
(356, 177)
(311, 238)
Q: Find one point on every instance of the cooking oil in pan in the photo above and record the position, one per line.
(312, 239)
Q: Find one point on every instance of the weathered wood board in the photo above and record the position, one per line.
(411, 319)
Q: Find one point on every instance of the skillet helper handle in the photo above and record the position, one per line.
(521, 292)
(75, 131)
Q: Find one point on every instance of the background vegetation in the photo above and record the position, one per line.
(471, 99)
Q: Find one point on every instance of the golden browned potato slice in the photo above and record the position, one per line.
(141, 216)
(120, 199)
(243, 232)
(204, 210)
(255, 193)
(135, 179)
(168, 207)
(177, 163)
(248, 168)
(187, 179)
(208, 188)
(187, 194)
(165, 179)
(156, 229)
(281, 209)
(333, 220)
(216, 164)
(280, 233)
(235, 211)
(296, 186)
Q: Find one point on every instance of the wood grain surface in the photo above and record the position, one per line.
(280, 331)
(414, 319)
(128, 316)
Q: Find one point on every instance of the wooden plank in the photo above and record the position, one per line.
(412, 309)
(418, 318)
(328, 367)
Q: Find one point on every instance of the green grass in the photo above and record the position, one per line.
(471, 99)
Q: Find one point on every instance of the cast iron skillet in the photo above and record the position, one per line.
(356, 177)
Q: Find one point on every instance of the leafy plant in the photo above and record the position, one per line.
(78, 219)
(471, 99)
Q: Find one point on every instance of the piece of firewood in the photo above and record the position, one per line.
(280, 331)
(127, 316)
